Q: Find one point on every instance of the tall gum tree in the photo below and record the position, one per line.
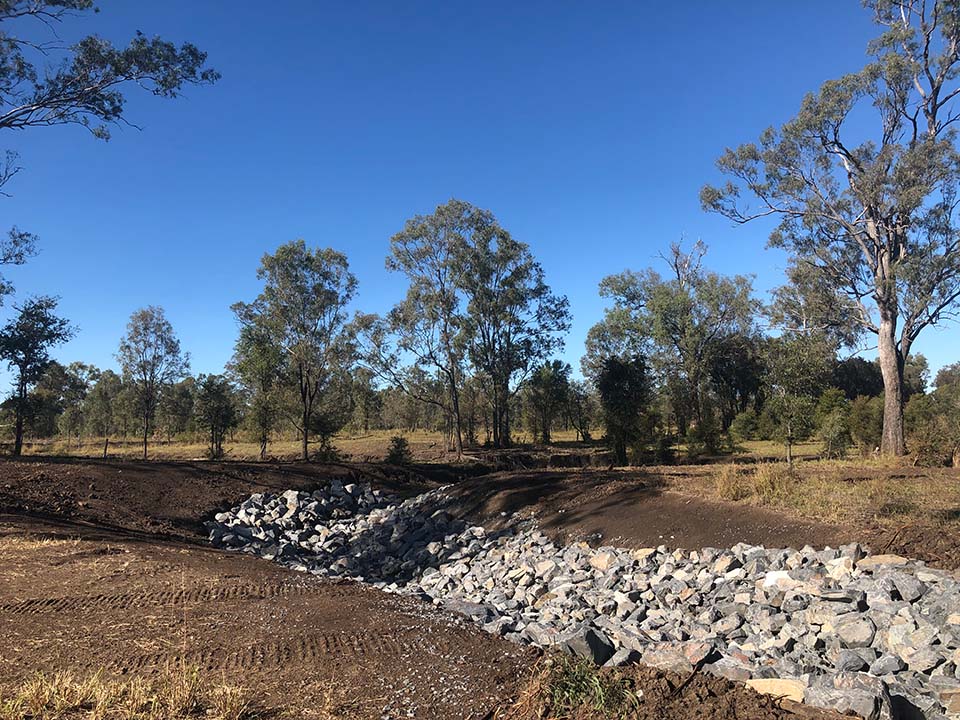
(303, 311)
(875, 217)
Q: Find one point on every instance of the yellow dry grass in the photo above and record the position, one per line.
(874, 490)
(178, 693)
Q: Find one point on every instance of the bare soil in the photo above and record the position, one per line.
(105, 566)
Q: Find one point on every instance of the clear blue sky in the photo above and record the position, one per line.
(587, 128)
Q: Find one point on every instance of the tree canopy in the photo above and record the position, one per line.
(870, 217)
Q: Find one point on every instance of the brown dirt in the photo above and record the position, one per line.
(307, 645)
(665, 696)
(105, 566)
(632, 508)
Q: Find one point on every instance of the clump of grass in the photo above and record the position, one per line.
(730, 483)
(773, 483)
(568, 687)
(178, 693)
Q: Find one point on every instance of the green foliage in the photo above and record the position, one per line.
(103, 407)
(797, 370)
(933, 421)
(302, 310)
(868, 205)
(25, 343)
(830, 400)
(700, 326)
(916, 375)
(45, 81)
(399, 451)
(513, 319)
(582, 408)
(216, 409)
(746, 425)
(151, 359)
(547, 391)
(866, 423)
(856, 376)
(477, 298)
(572, 685)
(835, 432)
(175, 410)
(625, 396)
(259, 367)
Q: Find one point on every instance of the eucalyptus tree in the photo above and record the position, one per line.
(151, 360)
(47, 81)
(476, 301)
(689, 317)
(77, 380)
(102, 410)
(428, 324)
(864, 183)
(547, 393)
(302, 310)
(260, 367)
(625, 388)
(25, 343)
(582, 409)
(514, 321)
(798, 368)
(216, 409)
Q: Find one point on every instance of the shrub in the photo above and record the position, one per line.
(730, 483)
(399, 452)
(835, 433)
(569, 686)
(745, 426)
(829, 402)
(866, 422)
(928, 431)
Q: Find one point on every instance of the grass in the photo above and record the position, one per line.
(855, 490)
(178, 693)
(371, 446)
(565, 687)
(766, 483)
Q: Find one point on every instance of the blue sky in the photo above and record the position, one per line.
(587, 128)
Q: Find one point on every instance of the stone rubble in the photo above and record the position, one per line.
(876, 635)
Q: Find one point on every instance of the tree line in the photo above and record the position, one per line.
(681, 358)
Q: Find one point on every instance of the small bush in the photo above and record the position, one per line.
(326, 451)
(835, 433)
(730, 483)
(772, 481)
(745, 426)
(568, 687)
(399, 452)
(866, 422)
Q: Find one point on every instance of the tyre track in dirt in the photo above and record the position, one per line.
(169, 598)
(302, 649)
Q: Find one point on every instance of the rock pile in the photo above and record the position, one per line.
(875, 635)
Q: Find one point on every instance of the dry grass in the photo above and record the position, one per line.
(370, 446)
(868, 490)
(764, 483)
(730, 483)
(178, 693)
